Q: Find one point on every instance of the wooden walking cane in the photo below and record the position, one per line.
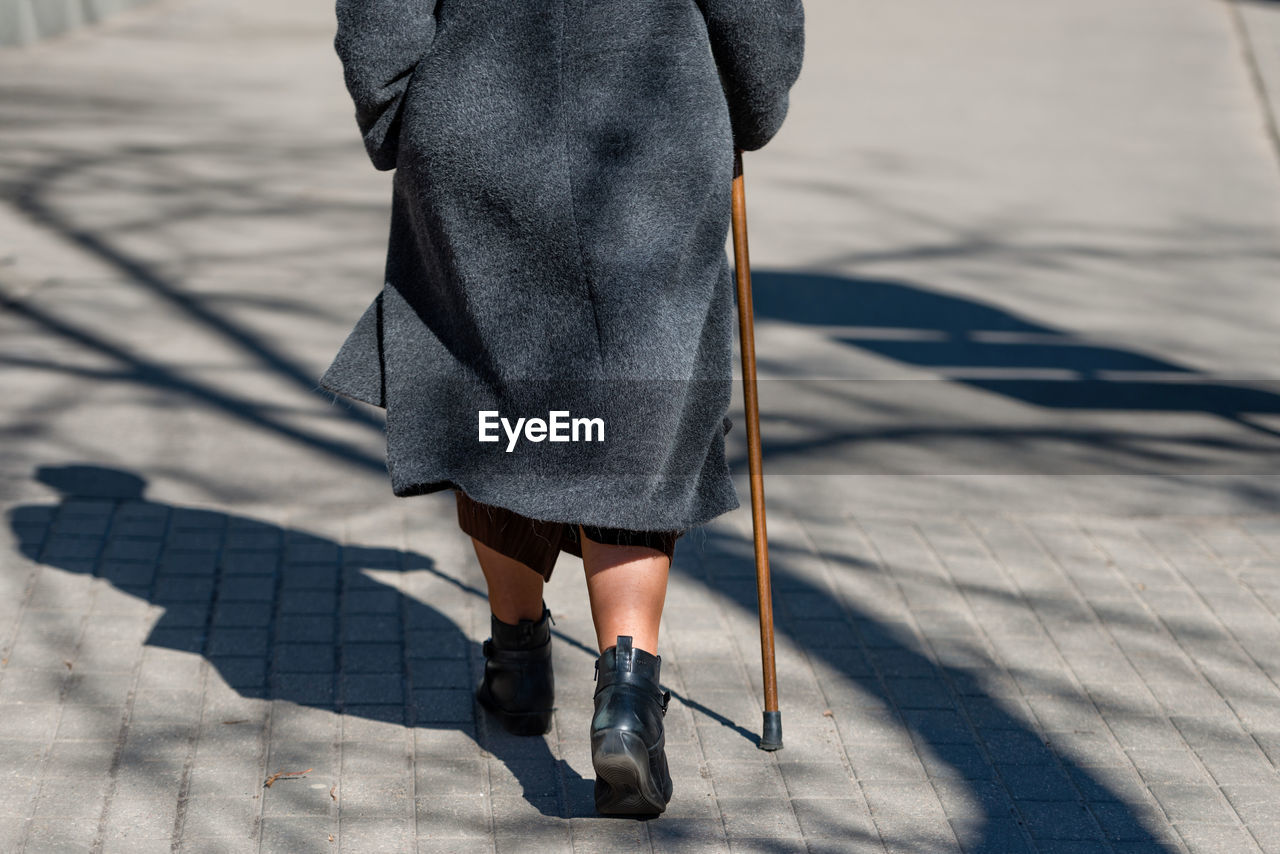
(771, 732)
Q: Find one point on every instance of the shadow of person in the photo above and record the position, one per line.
(284, 614)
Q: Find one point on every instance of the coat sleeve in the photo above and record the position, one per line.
(380, 43)
(758, 46)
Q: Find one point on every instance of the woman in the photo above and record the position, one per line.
(553, 340)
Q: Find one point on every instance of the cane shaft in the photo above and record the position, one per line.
(746, 330)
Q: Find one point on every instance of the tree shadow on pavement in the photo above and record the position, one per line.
(1006, 788)
(967, 343)
(283, 614)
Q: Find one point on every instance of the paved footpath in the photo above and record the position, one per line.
(1015, 272)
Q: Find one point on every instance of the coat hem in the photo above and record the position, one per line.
(359, 397)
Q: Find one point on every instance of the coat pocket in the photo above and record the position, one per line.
(380, 44)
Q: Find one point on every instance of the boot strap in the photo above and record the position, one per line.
(635, 682)
(509, 656)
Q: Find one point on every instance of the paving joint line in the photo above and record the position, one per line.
(922, 640)
(1033, 724)
(1084, 601)
(1258, 83)
(1113, 565)
(66, 684)
(1173, 565)
(846, 610)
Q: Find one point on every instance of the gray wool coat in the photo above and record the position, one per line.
(560, 207)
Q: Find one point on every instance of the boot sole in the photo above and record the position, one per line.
(518, 723)
(624, 782)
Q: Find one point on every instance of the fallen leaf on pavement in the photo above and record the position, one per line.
(285, 774)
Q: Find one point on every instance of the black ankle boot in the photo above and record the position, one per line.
(518, 686)
(627, 740)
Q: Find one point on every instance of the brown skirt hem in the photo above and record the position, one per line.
(537, 543)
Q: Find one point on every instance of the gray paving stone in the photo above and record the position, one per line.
(1167, 766)
(902, 800)
(371, 797)
(290, 722)
(958, 762)
(134, 844)
(17, 797)
(735, 779)
(1016, 747)
(315, 796)
(241, 743)
(833, 817)
(159, 780)
(726, 743)
(534, 778)
(1145, 733)
(812, 779)
(699, 834)
(449, 777)
(994, 834)
(372, 835)
(600, 835)
(458, 816)
(1267, 835)
(1128, 821)
(32, 685)
(891, 603)
(131, 816)
(514, 814)
(1243, 766)
(1037, 783)
(87, 759)
(29, 722)
(767, 844)
(1256, 804)
(1210, 838)
(220, 817)
(989, 712)
(61, 834)
(901, 834)
(444, 845)
(303, 835)
(759, 817)
(1060, 820)
(1184, 802)
(1212, 734)
(846, 846)
(885, 763)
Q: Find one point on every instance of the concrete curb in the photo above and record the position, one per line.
(25, 21)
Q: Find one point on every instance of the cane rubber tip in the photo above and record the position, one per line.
(771, 733)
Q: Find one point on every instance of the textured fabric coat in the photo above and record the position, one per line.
(560, 207)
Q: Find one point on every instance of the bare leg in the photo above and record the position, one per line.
(627, 586)
(515, 590)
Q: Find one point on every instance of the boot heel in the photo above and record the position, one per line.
(624, 784)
